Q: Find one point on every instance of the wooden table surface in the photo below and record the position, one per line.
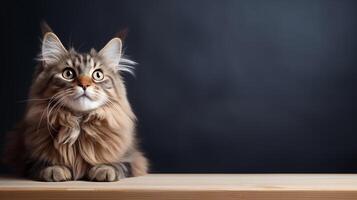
(192, 186)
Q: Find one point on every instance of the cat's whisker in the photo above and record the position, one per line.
(47, 120)
(59, 99)
(49, 123)
(45, 110)
(53, 98)
(112, 104)
(58, 108)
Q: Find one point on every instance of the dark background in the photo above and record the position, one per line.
(221, 86)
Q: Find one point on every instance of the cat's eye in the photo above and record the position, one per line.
(68, 73)
(98, 75)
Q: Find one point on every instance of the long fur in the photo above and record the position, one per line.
(57, 143)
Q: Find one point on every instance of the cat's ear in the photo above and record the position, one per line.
(52, 49)
(111, 52)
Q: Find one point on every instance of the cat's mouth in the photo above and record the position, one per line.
(85, 100)
(83, 96)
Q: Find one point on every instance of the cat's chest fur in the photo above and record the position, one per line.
(97, 139)
(82, 141)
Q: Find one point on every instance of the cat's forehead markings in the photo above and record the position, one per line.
(97, 64)
(69, 62)
(91, 62)
(77, 61)
(88, 57)
(81, 58)
(84, 62)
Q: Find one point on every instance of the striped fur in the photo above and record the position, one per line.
(62, 142)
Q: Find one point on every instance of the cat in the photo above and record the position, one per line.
(78, 123)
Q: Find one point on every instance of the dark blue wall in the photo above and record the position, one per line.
(222, 86)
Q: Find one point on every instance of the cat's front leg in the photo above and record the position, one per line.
(55, 173)
(109, 172)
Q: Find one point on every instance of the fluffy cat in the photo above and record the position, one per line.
(78, 123)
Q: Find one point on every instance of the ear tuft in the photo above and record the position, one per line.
(52, 49)
(122, 34)
(45, 28)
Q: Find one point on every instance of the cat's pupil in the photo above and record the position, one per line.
(68, 74)
(97, 75)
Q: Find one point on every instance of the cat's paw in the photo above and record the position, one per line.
(55, 174)
(104, 173)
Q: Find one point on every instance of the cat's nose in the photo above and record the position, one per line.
(83, 86)
(84, 82)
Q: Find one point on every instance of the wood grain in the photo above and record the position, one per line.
(192, 186)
